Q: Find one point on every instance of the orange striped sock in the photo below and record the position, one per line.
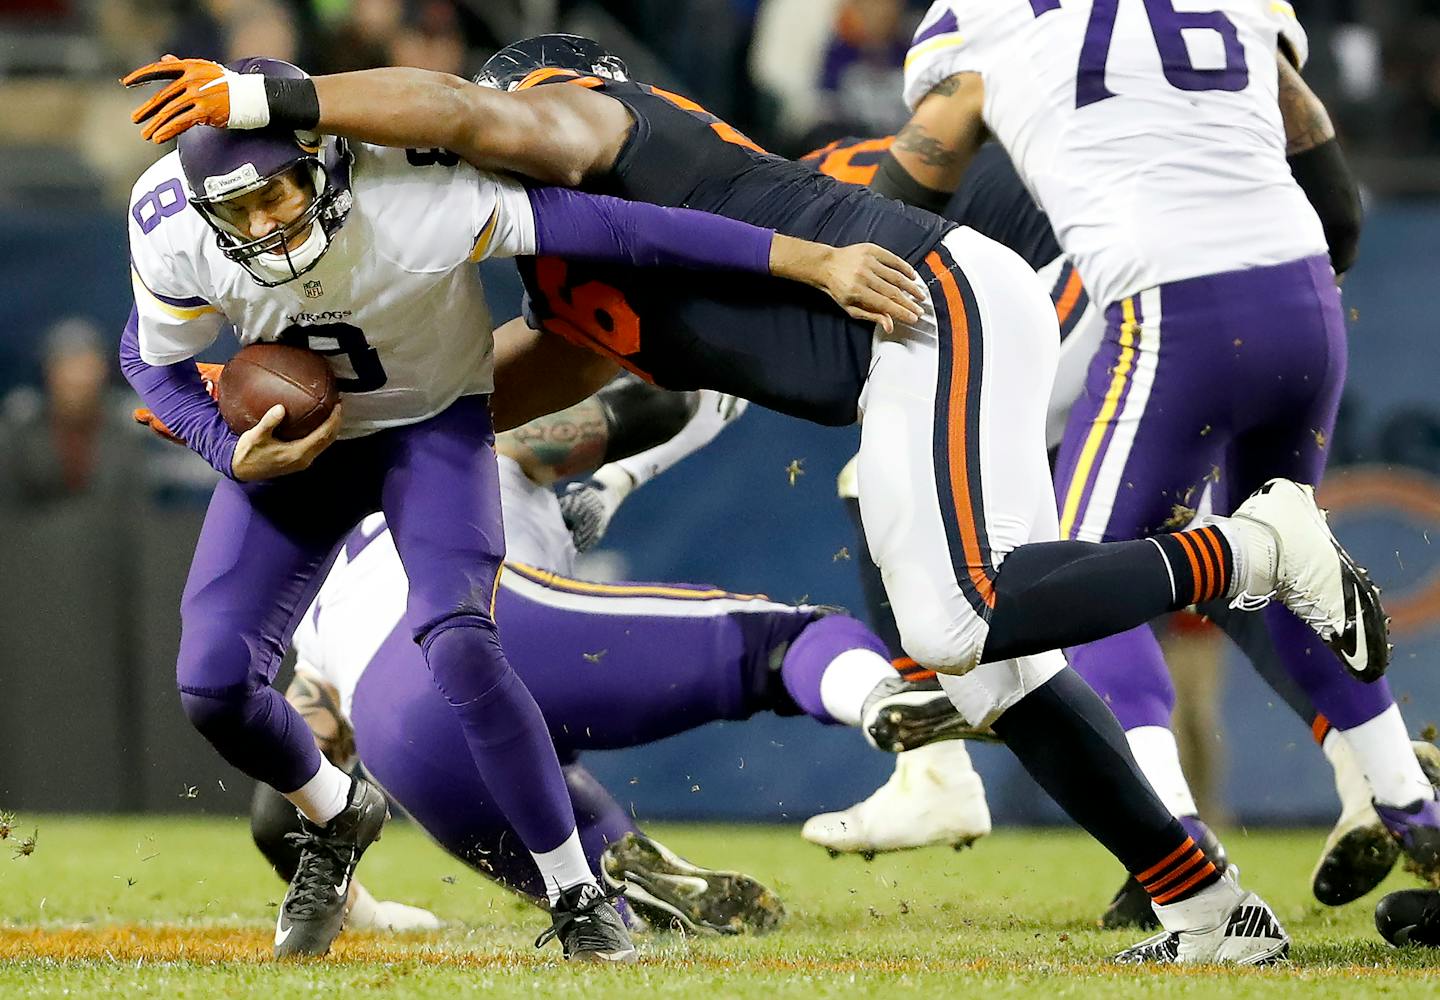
(1178, 875)
(1201, 564)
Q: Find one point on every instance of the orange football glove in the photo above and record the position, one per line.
(198, 94)
(142, 415)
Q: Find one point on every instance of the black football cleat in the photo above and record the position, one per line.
(314, 908)
(670, 893)
(902, 715)
(588, 927)
(1130, 908)
(1410, 917)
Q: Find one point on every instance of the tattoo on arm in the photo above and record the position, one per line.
(932, 151)
(1307, 123)
(319, 705)
(561, 445)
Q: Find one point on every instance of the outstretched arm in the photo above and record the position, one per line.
(556, 135)
(931, 153)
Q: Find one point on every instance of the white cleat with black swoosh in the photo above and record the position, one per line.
(1302, 565)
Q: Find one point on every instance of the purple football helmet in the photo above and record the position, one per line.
(220, 165)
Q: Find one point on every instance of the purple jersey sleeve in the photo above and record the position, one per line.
(596, 227)
(176, 394)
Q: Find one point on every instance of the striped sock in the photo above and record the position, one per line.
(1201, 564)
(911, 671)
(1181, 874)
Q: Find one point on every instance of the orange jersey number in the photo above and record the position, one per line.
(591, 314)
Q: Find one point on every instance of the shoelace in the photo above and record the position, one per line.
(591, 930)
(1304, 605)
(321, 867)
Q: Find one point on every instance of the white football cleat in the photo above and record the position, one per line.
(1303, 565)
(1241, 930)
(933, 797)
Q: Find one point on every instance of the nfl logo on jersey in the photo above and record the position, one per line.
(313, 290)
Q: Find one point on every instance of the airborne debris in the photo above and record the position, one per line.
(595, 657)
(189, 791)
(1429, 733)
(842, 555)
(221, 784)
(449, 879)
(1319, 437)
(1399, 560)
(7, 823)
(26, 847)
(795, 469)
(1180, 515)
(1354, 314)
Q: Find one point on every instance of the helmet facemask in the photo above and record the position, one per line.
(271, 259)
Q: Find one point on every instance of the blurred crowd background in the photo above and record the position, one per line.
(97, 519)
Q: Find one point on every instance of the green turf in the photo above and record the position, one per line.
(1011, 918)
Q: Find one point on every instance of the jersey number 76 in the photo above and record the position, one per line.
(1167, 25)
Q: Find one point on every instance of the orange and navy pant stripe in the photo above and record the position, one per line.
(1201, 564)
(1070, 299)
(1179, 875)
(957, 428)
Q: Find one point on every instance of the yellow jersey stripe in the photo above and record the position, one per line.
(555, 581)
(936, 44)
(1128, 327)
(482, 242)
(178, 312)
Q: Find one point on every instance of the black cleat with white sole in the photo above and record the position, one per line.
(589, 929)
(314, 908)
(1410, 917)
(901, 715)
(672, 893)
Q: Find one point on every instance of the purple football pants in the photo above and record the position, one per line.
(262, 554)
(611, 665)
(1232, 379)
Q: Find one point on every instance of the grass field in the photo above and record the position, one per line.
(184, 908)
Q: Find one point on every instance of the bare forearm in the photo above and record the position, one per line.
(559, 445)
(538, 373)
(555, 135)
(936, 145)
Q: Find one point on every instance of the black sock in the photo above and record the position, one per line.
(1071, 744)
(1049, 595)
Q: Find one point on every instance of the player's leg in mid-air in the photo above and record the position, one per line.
(952, 462)
(934, 795)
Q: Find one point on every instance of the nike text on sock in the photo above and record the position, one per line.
(1181, 874)
(324, 796)
(1200, 563)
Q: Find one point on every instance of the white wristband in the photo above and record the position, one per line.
(249, 108)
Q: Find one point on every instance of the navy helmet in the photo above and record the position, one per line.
(512, 64)
(220, 164)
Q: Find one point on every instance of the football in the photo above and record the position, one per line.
(261, 375)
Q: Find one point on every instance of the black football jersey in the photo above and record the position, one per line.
(776, 343)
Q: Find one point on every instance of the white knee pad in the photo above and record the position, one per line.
(936, 639)
(983, 694)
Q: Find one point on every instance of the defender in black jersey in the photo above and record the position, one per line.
(954, 483)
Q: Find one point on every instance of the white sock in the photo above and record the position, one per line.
(563, 867)
(848, 681)
(1159, 759)
(1252, 549)
(1382, 748)
(1350, 784)
(324, 796)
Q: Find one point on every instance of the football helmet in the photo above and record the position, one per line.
(512, 64)
(220, 165)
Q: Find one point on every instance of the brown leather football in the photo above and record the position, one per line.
(261, 375)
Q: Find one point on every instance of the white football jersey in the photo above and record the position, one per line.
(363, 597)
(395, 303)
(1150, 136)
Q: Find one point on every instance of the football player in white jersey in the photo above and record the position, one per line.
(1156, 139)
(366, 255)
(657, 659)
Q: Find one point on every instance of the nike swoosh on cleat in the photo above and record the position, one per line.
(1350, 643)
(282, 933)
(687, 885)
